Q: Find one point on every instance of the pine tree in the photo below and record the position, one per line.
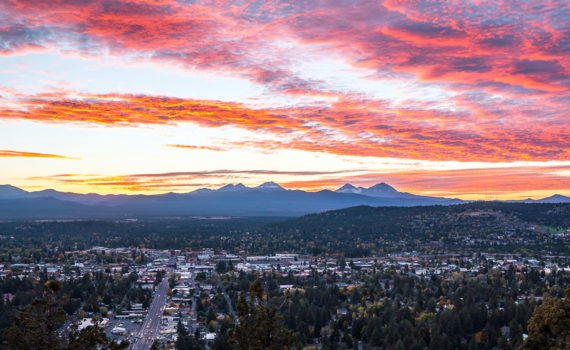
(155, 345)
(37, 327)
(186, 341)
(260, 326)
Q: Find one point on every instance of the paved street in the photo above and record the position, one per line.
(227, 297)
(192, 324)
(151, 324)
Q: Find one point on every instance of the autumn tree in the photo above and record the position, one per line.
(549, 326)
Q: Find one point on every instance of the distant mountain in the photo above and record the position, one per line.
(348, 188)
(378, 190)
(232, 187)
(43, 208)
(383, 190)
(557, 198)
(268, 199)
(270, 186)
(11, 192)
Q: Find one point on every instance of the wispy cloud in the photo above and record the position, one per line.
(8, 153)
(490, 183)
(177, 181)
(500, 182)
(501, 70)
(196, 147)
(519, 48)
(355, 127)
(249, 172)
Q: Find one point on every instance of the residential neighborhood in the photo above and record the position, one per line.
(199, 289)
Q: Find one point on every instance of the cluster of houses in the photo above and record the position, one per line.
(181, 267)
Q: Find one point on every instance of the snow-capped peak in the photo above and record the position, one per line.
(232, 187)
(382, 187)
(348, 188)
(269, 186)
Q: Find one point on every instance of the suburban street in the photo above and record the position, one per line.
(227, 297)
(151, 324)
(192, 323)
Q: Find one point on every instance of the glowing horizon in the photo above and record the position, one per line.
(465, 99)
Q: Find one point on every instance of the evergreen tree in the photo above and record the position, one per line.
(186, 341)
(155, 345)
(38, 327)
(260, 326)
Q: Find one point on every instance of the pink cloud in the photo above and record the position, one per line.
(346, 127)
(506, 65)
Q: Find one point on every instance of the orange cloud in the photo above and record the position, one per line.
(349, 126)
(7, 153)
(507, 79)
(500, 183)
(465, 44)
(172, 181)
(488, 183)
(207, 148)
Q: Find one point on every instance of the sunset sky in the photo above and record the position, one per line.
(467, 99)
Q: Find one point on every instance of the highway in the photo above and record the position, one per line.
(151, 325)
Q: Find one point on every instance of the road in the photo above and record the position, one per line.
(192, 324)
(230, 308)
(151, 324)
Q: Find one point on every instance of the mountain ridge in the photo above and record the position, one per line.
(267, 199)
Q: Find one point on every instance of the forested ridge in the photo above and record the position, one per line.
(356, 231)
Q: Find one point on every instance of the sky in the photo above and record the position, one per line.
(465, 99)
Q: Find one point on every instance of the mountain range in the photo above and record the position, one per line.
(268, 199)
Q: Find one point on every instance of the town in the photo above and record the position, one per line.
(144, 296)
